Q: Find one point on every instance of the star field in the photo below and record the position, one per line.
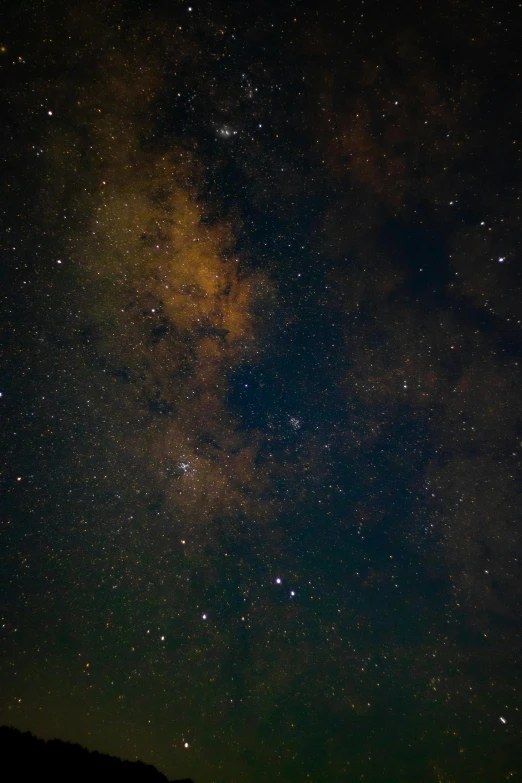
(260, 387)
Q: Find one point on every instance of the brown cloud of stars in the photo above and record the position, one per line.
(164, 306)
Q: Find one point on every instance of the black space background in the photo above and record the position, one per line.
(261, 343)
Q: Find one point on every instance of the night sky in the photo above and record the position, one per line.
(260, 386)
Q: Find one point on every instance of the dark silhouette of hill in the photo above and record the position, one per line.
(33, 759)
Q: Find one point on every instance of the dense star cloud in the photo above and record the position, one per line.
(261, 388)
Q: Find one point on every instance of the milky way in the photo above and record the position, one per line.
(261, 388)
